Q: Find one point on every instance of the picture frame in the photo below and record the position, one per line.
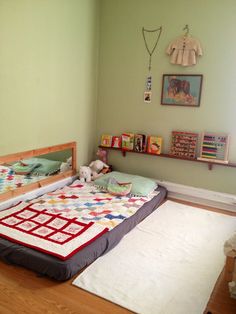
(184, 144)
(181, 89)
(214, 147)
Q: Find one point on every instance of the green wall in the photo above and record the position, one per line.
(122, 72)
(48, 74)
(49, 54)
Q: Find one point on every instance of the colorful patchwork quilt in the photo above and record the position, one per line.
(10, 181)
(62, 222)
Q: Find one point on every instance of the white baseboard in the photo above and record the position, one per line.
(36, 193)
(200, 196)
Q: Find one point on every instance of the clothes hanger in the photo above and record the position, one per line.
(186, 29)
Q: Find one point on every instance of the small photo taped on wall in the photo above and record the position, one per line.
(147, 97)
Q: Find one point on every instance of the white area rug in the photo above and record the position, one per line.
(168, 264)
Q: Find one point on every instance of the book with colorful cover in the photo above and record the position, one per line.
(154, 145)
(127, 141)
(106, 140)
(139, 143)
(116, 142)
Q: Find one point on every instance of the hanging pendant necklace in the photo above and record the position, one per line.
(148, 93)
(150, 51)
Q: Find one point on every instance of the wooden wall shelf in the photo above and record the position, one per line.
(209, 163)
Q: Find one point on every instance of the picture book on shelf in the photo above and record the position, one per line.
(106, 140)
(127, 141)
(116, 142)
(154, 145)
(139, 143)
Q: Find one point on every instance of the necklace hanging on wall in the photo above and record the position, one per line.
(148, 87)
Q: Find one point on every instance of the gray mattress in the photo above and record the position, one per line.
(53, 267)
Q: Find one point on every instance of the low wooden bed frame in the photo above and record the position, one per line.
(38, 152)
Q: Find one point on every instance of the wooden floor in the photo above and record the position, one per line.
(22, 291)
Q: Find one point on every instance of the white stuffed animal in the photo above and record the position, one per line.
(66, 165)
(85, 174)
(230, 246)
(96, 168)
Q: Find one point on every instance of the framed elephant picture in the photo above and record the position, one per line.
(181, 90)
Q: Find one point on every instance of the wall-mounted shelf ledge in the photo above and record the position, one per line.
(210, 164)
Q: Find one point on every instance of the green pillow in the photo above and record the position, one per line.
(141, 186)
(23, 169)
(46, 167)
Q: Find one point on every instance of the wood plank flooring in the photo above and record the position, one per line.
(23, 292)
